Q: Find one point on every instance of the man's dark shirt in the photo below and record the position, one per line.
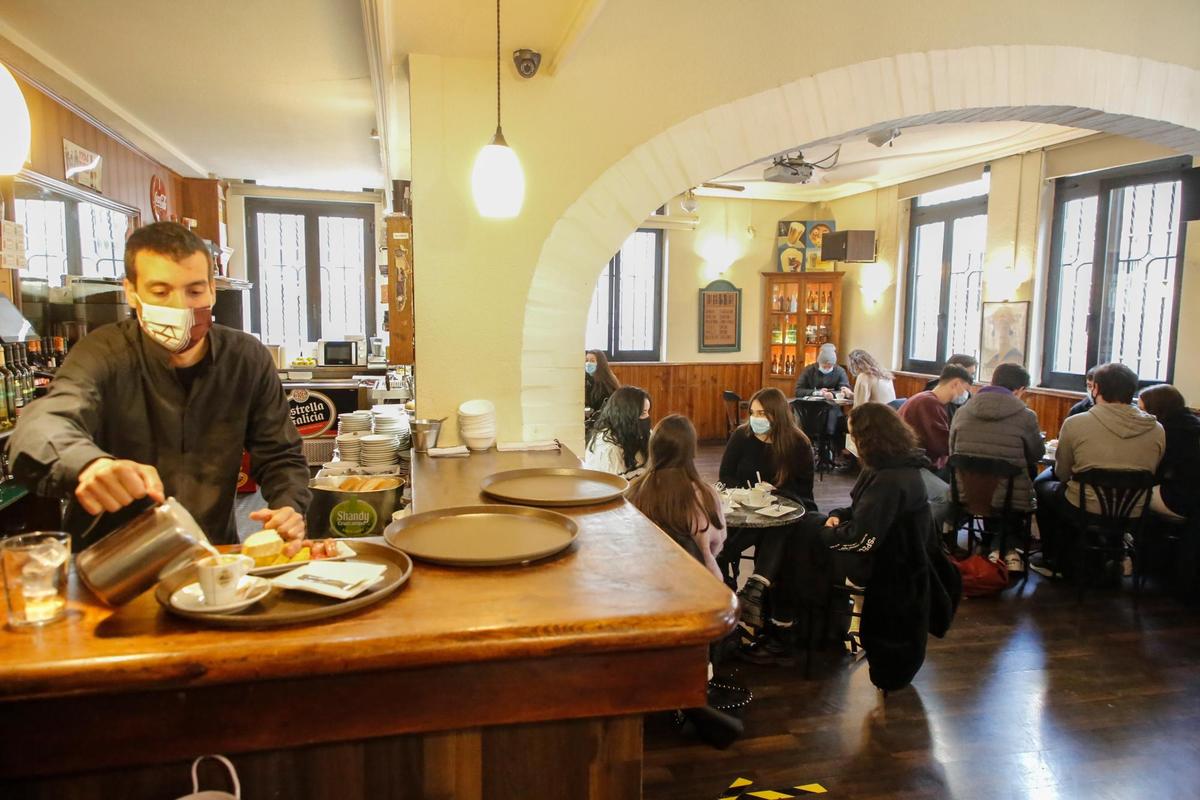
(118, 396)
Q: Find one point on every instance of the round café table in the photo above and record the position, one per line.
(741, 518)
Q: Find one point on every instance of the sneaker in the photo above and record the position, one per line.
(1013, 562)
(774, 646)
(994, 556)
(750, 599)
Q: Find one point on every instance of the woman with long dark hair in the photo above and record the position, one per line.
(671, 493)
(1175, 496)
(619, 441)
(886, 544)
(771, 448)
(599, 382)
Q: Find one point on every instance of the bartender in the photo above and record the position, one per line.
(163, 404)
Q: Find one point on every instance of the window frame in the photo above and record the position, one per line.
(34, 186)
(312, 211)
(946, 213)
(613, 352)
(1101, 185)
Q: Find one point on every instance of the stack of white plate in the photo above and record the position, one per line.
(378, 450)
(349, 446)
(355, 422)
(477, 424)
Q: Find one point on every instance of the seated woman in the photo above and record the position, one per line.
(872, 383)
(1175, 497)
(672, 495)
(619, 441)
(885, 542)
(772, 446)
(599, 383)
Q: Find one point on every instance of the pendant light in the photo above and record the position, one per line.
(14, 125)
(497, 180)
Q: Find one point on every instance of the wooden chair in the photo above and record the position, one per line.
(973, 484)
(813, 419)
(1121, 507)
(734, 408)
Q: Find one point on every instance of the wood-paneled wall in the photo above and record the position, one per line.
(126, 170)
(1050, 405)
(693, 390)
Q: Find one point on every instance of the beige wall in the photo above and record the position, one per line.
(722, 248)
(500, 304)
(1015, 266)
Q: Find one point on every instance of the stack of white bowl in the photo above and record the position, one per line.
(378, 450)
(477, 424)
(349, 446)
(354, 422)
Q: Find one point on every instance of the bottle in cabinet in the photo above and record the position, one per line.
(8, 412)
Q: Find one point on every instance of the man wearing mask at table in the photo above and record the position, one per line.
(826, 379)
(162, 404)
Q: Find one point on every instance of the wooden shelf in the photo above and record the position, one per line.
(781, 288)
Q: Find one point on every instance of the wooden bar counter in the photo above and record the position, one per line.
(468, 683)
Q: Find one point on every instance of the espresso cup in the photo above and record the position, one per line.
(219, 576)
(757, 497)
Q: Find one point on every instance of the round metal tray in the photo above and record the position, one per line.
(284, 607)
(483, 536)
(554, 486)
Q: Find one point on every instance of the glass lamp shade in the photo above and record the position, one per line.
(497, 180)
(14, 125)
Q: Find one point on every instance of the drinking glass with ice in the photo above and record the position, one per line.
(35, 576)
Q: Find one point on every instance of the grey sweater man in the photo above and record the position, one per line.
(995, 423)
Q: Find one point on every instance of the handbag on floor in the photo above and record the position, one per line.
(981, 576)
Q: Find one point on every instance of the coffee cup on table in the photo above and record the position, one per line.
(219, 577)
(757, 497)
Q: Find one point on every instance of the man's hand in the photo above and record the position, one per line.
(828, 395)
(832, 522)
(847, 391)
(286, 521)
(109, 484)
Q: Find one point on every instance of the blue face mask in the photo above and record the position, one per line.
(760, 425)
(589, 367)
(824, 370)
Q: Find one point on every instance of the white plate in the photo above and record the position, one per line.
(344, 552)
(250, 590)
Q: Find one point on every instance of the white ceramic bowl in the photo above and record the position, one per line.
(479, 442)
(477, 408)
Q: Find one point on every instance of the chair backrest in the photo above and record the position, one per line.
(811, 416)
(1122, 497)
(733, 414)
(979, 476)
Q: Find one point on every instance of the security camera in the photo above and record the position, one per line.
(527, 62)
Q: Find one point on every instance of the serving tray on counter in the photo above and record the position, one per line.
(284, 607)
(483, 536)
(554, 487)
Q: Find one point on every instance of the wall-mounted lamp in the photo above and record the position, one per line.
(873, 281)
(15, 133)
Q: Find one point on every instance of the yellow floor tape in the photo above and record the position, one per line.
(768, 794)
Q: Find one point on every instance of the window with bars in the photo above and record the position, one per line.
(312, 265)
(948, 239)
(65, 235)
(1115, 272)
(625, 317)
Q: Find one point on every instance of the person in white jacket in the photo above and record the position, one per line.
(872, 384)
(619, 441)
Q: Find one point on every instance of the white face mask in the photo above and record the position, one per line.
(824, 369)
(176, 329)
(959, 399)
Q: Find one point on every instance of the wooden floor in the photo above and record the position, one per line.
(1031, 695)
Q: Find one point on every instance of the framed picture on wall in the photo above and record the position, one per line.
(789, 245)
(1005, 336)
(720, 318)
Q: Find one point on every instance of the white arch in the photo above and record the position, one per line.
(1071, 86)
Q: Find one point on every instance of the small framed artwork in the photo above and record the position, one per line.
(812, 240)
(720, 318)
(1005, 336)
(789, 245)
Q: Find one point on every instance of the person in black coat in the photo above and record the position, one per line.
(887, 545)
(1085, 405)
(1176, 496)
(826, 379)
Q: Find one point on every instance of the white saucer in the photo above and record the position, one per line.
(748, 503)
(250, 590)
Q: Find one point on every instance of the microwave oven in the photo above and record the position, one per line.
(334, 353)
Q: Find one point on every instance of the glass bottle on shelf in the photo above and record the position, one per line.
(7, 412)
(795, 302)
(59, 345)
(776, 334)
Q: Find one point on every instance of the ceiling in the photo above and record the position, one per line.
(916, 153)
(278, 91)
(282, 91)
